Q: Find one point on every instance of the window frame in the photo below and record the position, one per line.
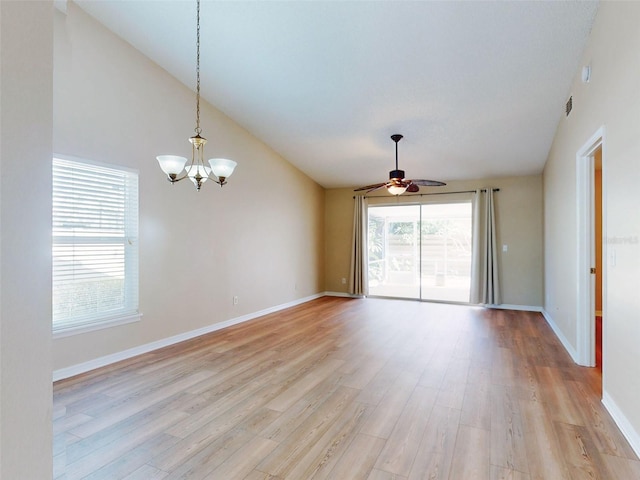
(130, 309)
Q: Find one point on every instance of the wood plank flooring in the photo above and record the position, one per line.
(346, 389)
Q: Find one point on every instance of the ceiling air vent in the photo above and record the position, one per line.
(568, 106)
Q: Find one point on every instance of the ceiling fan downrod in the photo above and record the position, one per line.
(396, 174)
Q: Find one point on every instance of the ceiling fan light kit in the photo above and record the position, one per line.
(396, 189)
(398, 184)
(175, 167)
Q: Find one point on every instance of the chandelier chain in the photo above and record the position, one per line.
(198, 129)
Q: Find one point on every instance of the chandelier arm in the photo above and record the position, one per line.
(214, 178)
(176, 178)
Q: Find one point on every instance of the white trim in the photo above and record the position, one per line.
(585, 293)
(502, 306)
(522, 308)
(342, 294)
(165, 342)
(73, 370)
(623, 423)
(565, 343)
(98, 325)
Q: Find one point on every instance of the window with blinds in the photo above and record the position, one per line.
(95, 244)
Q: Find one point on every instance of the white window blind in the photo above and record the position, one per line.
(95, 244)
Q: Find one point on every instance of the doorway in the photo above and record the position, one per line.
(591, 275)
(597, 242)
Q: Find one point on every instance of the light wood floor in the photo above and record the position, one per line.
(346, 389)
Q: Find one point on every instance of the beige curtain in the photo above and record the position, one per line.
(358, 271)
(485, 280)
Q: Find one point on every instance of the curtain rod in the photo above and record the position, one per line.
(434, 193)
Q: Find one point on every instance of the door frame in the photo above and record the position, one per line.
(585, 294)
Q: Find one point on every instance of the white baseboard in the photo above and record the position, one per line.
(165, 342)
(529, 308)
(620, 419)
(502, 306)
(522, 308)
(630, 433)
(565, 342)
(342, 294)
(148, 347)
(625, 426)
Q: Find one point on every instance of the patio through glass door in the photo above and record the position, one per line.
(420, 251)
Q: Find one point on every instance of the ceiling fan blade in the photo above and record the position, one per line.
(428, 183)
(369, 187)
(377, 187)
(413, 188)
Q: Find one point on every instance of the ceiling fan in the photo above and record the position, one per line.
(397, 184)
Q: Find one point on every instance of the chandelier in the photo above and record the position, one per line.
(176, 168)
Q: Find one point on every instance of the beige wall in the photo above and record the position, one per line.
(26, 98)
(612, 100)
(519, 217)
(259, 238)
(338, 220)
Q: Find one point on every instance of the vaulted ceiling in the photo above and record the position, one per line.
(477, 88)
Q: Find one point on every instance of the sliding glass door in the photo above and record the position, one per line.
(446, 251)
(394, 251)
(420, 251)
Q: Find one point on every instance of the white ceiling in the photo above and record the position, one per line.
(477, 88)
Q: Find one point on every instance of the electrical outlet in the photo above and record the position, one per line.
(235, 300)
(344, 281)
